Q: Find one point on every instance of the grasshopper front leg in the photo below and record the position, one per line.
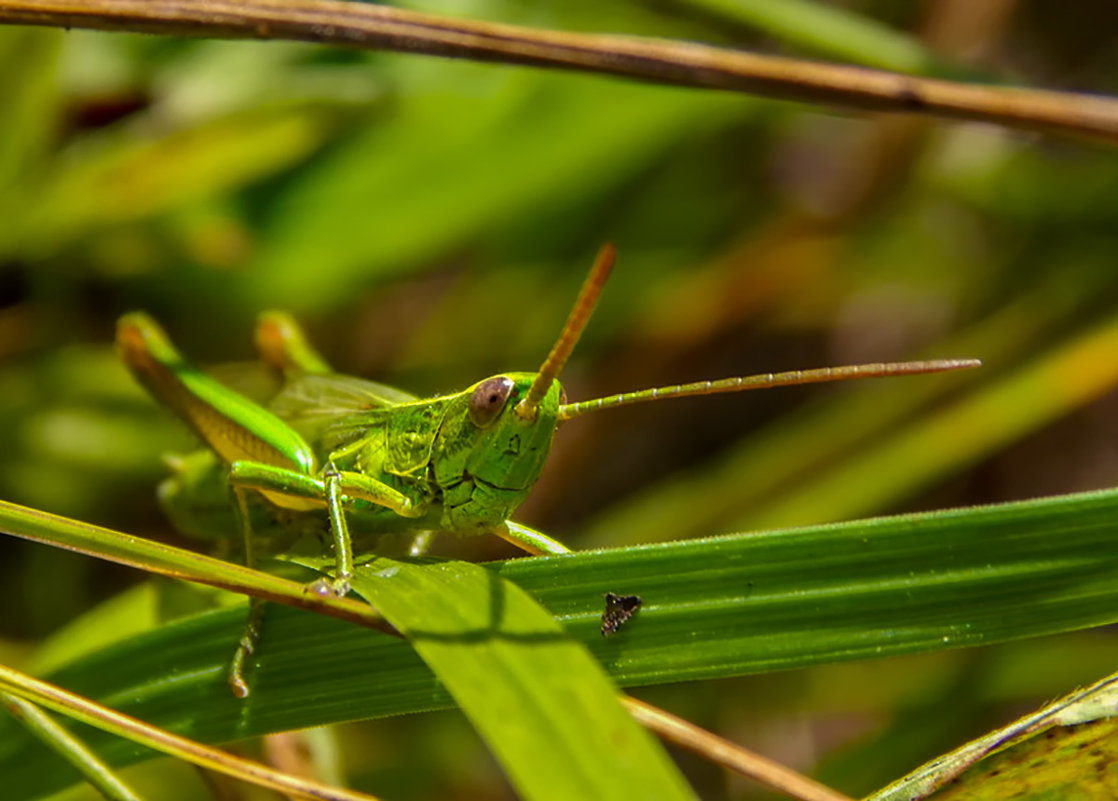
(334, 490)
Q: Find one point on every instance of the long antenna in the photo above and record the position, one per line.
(880, 370)
(572, 330)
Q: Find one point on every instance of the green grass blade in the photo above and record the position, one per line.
(829, 30)
(28, 58)
(716, 607)
(80, 708)
(542, 703)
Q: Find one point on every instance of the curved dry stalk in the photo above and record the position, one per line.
(655, 60)
(729, 755)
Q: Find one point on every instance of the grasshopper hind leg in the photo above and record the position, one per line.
(246, 647)
(250, 634)
(282, 345)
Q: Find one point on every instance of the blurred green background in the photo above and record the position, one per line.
(430, 221)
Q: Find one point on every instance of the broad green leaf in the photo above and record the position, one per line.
(716, 607)
(541, 702)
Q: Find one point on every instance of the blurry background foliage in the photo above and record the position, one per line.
(430, 221)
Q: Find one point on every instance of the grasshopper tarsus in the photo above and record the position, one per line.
(339, 587)
(246, 647)
(326, 588)
(238, 685)
(235, 676)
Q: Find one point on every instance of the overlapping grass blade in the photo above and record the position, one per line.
(543, 705)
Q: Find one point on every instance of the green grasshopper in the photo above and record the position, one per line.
(379, 460)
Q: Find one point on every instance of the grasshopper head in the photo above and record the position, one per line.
(486, 456)
(495, 436)
(510, 450)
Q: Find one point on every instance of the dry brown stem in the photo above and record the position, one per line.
(654, 60)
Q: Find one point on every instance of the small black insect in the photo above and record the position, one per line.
(619, 608)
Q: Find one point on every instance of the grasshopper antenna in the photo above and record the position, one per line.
(572, 330)
(569, 411)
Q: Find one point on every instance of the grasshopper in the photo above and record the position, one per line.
(368, 460)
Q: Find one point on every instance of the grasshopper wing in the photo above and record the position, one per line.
(337, 408)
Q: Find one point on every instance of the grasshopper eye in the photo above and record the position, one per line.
(489, 399)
